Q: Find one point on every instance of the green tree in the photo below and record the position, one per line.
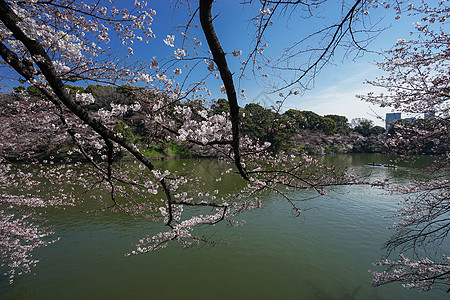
(34, 91)
(73, 89)
(342, 125)
(364, 128)
(312, 120)
(19, 89)
(220, 106)
(126, 132)
(106, 95)
(267, 126)
(377, 130)
(327, 125)
(296, 118)
(257, 121)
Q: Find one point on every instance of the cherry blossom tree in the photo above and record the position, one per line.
(51, 43)
(417, 81)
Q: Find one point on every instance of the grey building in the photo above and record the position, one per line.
(429, 115)
(391, 118)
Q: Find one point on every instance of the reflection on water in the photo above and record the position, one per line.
(323, 254)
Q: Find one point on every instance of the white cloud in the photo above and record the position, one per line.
(338, 101)
(335, 94)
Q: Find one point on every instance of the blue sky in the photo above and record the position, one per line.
(335, 87)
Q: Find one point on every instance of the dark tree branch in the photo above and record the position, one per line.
(45, 64)
(227, 78)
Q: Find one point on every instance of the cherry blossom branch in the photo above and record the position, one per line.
(18, 238)
(417, 82)
(10, 20)
(423, 273)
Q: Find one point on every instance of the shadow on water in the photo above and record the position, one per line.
(22, 293)
(321, 295)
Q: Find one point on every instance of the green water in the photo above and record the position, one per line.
(323, 254)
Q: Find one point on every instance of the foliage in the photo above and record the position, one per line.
(220, 106)
(125, 131)
(265, 125)
(328, 126)
(417, 81)
(377, 130)
(365, 127)
(49, 44)
(278, 129)
(296, 119)
(342, 125)
(106, 95)
(359, 121)
(73, 89)
(310, 120)
(179, 148)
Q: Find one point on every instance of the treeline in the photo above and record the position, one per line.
(133, 125)
(280, 128)
(266, 125)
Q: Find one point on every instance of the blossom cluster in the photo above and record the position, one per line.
(216, 127)
(18, 238)
(182, 232)
(76, 34)
(70, 44)
(423, 273)
(417, 81)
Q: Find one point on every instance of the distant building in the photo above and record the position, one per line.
(391, 118)
(429, 115)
